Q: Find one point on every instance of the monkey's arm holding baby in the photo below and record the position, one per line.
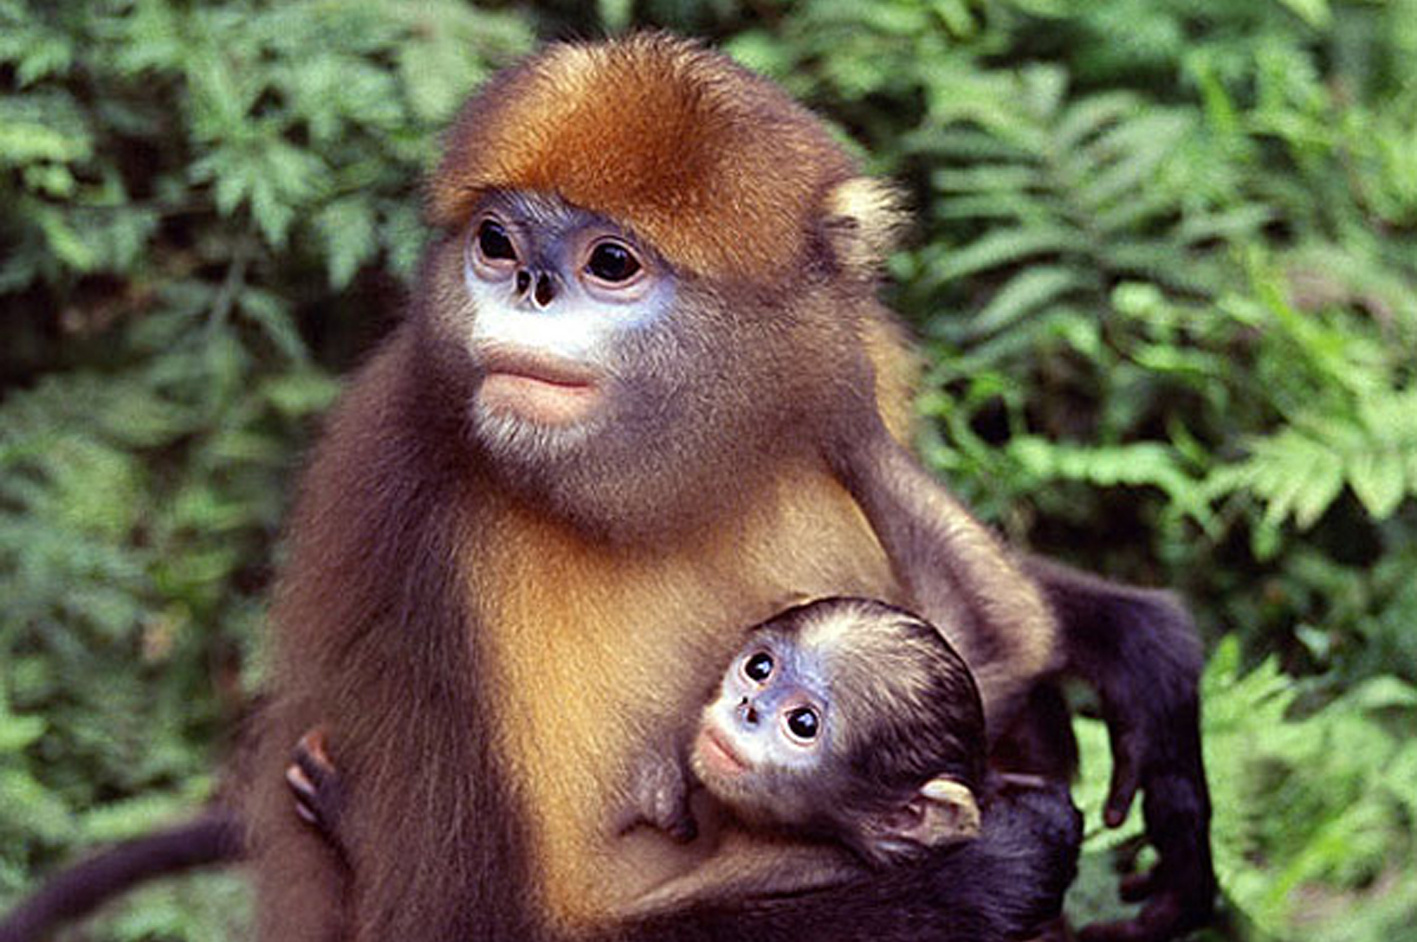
(1002, 884)
(1136, 648)
(852, 724)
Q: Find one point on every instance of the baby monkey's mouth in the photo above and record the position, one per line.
(715, 755)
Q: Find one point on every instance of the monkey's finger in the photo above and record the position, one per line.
(317, 743)
(299, 783)
(306, 796)
(1138, 886)
(312, 752)
(1126, 779)
(315, 766)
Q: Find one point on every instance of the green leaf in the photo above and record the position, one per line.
(273, 316)
(1029, 290)
(999, 248)
(1384, 693)
(615, 14)
(301, 394)
(1315, 12)
(1379, 478)
(347, 226)
(19, 732)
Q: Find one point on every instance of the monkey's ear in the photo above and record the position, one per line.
(942, 812)
(863, 217)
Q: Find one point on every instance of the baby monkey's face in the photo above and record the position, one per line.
(768, 734)
(847, 718)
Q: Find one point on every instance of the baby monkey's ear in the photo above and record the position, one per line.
(943, 811)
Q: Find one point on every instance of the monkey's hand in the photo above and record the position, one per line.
(318, 788)
(1138, 648)
(659, 793)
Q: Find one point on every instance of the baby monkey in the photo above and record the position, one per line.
(844, 719)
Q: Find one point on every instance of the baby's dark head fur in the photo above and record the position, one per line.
(906, 706)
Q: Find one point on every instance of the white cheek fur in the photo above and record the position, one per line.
(575, 327)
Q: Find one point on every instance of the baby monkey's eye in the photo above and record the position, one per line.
(612, 262)
(803, 723)
(494, 242)
(758, 667)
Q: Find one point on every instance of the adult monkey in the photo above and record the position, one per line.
(640, 402)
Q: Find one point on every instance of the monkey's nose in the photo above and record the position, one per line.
(747, 712)
(539, 285)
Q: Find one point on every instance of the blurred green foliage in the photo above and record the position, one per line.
(1165, 271)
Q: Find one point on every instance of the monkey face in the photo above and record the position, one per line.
(557, 290)
(765, 744)
(601, 382)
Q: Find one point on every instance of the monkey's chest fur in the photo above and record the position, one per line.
(631, 642)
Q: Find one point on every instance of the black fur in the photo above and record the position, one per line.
(1138, 648)
(1002, 886)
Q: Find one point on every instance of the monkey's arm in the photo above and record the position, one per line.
(1140, 651)
(1136, 647)
(659, 792)
(958, 576)
(781, 867)
(1003, 886)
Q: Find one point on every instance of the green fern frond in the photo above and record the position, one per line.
(1299, 471)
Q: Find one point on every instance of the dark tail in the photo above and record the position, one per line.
(215, 837)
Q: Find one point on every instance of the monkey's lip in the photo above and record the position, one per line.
(715, 751)
(541, 388)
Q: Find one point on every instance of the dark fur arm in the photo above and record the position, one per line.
(1136, 647)
(957, 574)
(213, 838)
(1139, 650)
(1002, 886)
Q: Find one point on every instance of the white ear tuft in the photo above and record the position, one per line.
(864, 217)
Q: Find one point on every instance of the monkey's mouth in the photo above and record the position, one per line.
(538, 388)
(716, 754)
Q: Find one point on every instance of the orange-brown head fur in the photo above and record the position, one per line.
(676, 142)
(772, 241)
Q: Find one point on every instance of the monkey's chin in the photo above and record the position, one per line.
(538, 401)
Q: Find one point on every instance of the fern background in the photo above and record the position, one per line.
(1165, 270)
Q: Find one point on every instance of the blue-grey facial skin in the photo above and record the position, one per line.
(795, 682)
(607, 396)
(547, 300)
(755, 755)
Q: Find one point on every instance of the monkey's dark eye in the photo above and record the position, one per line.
(803, 723)
(759, 666)
(494, 242)
(612, 262)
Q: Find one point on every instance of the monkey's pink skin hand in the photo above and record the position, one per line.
(318, 788)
